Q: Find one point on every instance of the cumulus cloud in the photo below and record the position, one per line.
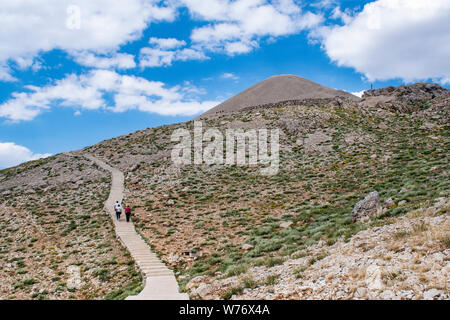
(237, 26)
(93, 31)
(114, 61)
(406, 39)
(165, 51)
(90, 91)
(155, 57)
(12, 154)
(101, 26)
(167, 43)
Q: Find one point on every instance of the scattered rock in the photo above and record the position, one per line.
(360, 293)
(440, 203)
(366, 208)
(135, 167)
(428, 126)
(317, 142)
(134, 181)
(195, 281)
(74, 281)
(373, 278)
(388, 295)
(173, 258)
(389, 203)
(286, 224)
(247, 246)
(203, 290)
(432, 294)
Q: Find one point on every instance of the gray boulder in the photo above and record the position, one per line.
(368, 207)
(389, 203)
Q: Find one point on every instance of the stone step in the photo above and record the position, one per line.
(144, 256)
(150, 260)
(155, 267)
(157, 274)
(147, 260)
(155, 270)
(152, 266)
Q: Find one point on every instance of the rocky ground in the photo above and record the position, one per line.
(407, 258)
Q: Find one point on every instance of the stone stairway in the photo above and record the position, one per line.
(160, 282)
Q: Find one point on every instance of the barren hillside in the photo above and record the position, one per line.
(56, 241)
(236, 222)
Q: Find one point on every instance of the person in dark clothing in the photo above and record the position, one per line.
(128, 213)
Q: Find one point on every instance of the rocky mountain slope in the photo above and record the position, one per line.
(217, 225)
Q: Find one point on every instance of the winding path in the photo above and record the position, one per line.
(159, 281)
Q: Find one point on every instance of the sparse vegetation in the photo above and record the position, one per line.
(400, 152)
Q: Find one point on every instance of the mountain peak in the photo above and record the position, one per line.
(275, 89)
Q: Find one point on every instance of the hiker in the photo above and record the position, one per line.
(128, 213)
(118, 210)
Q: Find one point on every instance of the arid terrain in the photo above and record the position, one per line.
(56, 241)
(229, 232)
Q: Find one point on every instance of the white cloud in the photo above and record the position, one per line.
(151, 57)
(5, 73)
(116, 60)
(229, 75)
(89, 91)
(406, 39)
(30, 27)
(345, 16)
(190, 54)
(324, 4)
(12, 154)
(167, 43)
(286, 6)
(237, 26)
(239, 47)
(161, 54)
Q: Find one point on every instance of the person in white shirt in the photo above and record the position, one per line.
(118, 210)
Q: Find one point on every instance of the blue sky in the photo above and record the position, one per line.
(85, 71)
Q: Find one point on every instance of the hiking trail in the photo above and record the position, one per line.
(159, 281)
